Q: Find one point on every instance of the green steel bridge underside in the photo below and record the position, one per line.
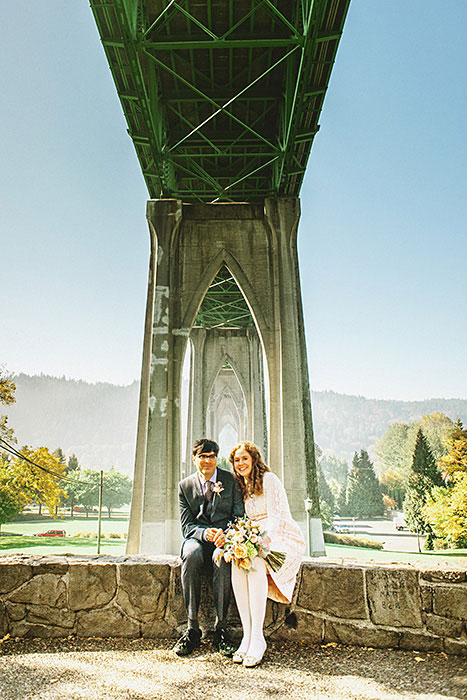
(222, 97)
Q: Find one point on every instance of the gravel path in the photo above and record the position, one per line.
(116, 669)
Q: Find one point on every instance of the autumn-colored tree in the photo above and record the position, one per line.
(36, 483)
(446, 509)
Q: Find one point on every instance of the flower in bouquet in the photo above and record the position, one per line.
(244, 541)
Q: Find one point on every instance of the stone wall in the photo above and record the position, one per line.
(375, 605)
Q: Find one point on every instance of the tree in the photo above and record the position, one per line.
(325, 493)
(396, 447)
(341, 505)
(7, 397)
(116, 490)
(446, 508)
(334, 468)
(35, 483)
(73, 462)
(87, 492)
(73, 488)
(423, 477)
(10, 501)
(456, 458)
(60, 455)
(364, 498)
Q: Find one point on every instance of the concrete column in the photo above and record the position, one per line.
(257, 243)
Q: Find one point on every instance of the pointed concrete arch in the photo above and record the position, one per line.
(257, 243)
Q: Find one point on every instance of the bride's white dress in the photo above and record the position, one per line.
(272, 513)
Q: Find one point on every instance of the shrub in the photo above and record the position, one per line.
(349, 541)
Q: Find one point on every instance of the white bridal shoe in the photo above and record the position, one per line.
(238, 657)
(250, 661)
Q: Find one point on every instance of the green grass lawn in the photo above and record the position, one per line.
(455, 558)
(72, 543)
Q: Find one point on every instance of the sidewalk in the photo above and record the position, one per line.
(117, 669)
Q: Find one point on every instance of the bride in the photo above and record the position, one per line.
(266, 504)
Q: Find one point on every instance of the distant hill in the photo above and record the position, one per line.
(98, 421)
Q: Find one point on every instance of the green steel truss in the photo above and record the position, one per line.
(224, 305)
(222, 97)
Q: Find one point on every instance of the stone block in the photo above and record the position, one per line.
(45, 615)
(427, 598)
(360, 635)
(44, 589)
(420, 641)
(175, 613)
(50, 566)
(444, 627)
(450, 601)
(454, 647)
(106, 622)
(394, 597)
(91, 585)
(334, 590)
(306, 628)
(158, 629)
(3, 620)
(440, 576)
(16, 611)
(25, 629)
(143, 590)
(13, 575)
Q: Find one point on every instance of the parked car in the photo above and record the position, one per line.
(51, 533)
(399, 523)
(341, 529)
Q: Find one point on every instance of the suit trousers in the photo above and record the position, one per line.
(198, 558)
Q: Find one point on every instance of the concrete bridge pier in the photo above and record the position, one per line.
(189, 244)
(240, 349)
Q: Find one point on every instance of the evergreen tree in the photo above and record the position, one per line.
(324, 490)
(423, 477)
(364, 497)
(341, 506)
(73, 462)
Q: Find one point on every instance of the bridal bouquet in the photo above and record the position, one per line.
(244, 541)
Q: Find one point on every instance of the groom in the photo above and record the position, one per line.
(208, 500)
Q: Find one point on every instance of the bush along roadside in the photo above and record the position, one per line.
(349, 541)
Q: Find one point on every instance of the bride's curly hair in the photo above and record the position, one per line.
(254, 483)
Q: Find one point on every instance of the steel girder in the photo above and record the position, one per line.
(224, 305)
(222, 97)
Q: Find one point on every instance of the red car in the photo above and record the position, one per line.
(52, 533)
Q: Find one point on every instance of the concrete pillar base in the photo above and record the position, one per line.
(313, 532)
(161, 537)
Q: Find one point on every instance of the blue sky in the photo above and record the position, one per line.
(384, 208)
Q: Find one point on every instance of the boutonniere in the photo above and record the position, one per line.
(217, 488)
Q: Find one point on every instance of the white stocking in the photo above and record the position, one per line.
(257, 594)
(240, 589)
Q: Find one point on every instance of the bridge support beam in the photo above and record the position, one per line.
(190, 243)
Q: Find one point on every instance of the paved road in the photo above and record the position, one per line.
(384, 531)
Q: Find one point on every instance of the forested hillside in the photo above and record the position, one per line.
(98, 421)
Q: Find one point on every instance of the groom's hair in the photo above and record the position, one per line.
(205, 445)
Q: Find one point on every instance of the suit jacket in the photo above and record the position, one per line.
(226, 505)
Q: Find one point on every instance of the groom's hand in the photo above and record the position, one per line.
(219, 539)
(210, 533)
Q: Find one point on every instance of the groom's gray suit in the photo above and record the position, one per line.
(197, 514)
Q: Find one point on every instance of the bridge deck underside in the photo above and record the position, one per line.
(222, 97)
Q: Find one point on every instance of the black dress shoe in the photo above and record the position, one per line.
(188, 642)
(222, 642)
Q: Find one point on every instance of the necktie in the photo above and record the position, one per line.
(208, 494)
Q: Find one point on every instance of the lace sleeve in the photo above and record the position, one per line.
(274, 494)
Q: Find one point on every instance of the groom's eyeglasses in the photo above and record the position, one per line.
(211, 457)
